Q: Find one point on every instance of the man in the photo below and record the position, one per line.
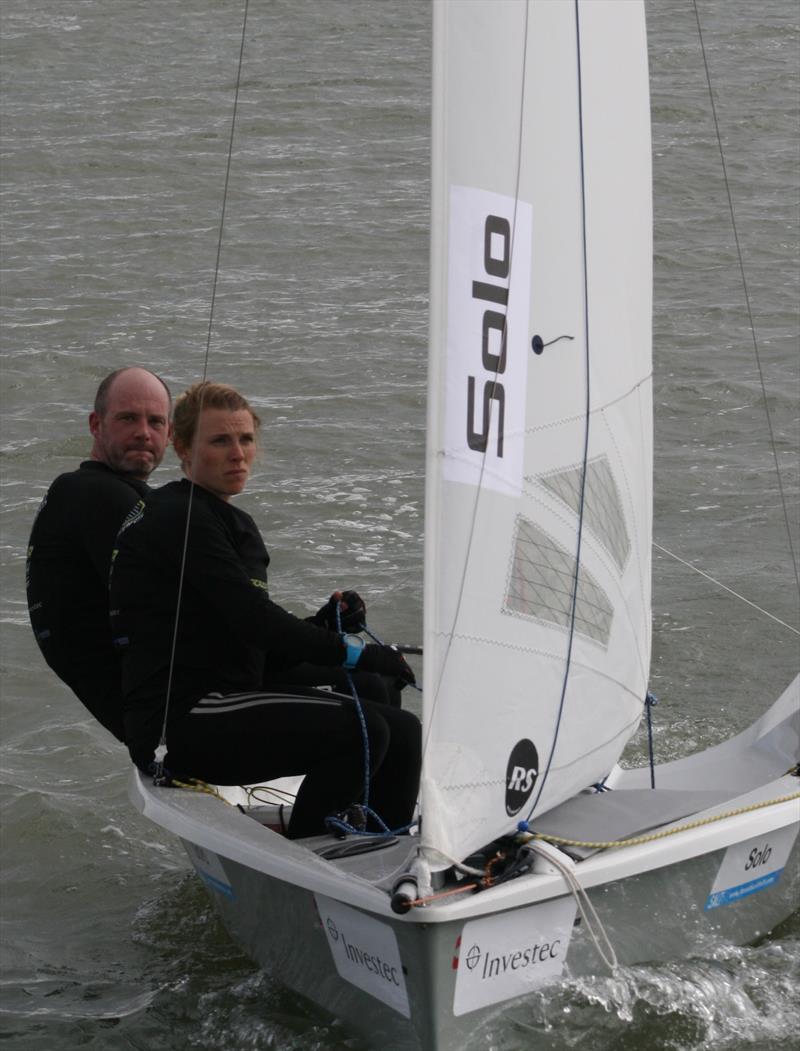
(69, 552)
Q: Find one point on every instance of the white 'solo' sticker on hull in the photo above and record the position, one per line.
(501, 957)
(365, 953)
(750, 867)
(209, 869)
(488, 306)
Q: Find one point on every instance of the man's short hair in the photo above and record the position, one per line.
(101, 399)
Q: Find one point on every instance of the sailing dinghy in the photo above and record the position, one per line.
(536, 856)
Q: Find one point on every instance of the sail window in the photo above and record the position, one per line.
(602, 511)
(541, 583)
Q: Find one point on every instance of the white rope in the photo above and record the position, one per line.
(724, 587)
(585, 907)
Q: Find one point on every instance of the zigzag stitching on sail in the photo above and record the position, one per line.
(458, 454)
(594, 412)
(497, 782)
(597, 672)
(502, 644)
(643, 663)
(636, 532)
(623, 733)
(553, 625)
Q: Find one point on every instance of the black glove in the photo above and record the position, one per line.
(353, 612)
(385, 661)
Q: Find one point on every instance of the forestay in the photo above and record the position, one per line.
(539, 461)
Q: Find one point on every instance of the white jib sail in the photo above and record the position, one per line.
(539, 461)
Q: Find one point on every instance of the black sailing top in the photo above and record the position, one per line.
(229, 631)
(66, 576)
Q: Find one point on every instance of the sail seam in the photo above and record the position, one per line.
(639, 556)
(597, 672)
(597, 410)
(472, 784)
(587, 418)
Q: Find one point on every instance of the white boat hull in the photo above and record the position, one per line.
(654, 915)
(436, 977)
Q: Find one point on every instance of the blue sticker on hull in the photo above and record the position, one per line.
(217, 885)
(725, 897)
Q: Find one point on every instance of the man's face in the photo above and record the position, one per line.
(132, 435)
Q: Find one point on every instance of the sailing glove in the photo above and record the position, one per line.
(385, 661)
(353, 612)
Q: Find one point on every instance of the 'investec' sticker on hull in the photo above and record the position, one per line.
(751, 867)
(500, 957)
(365, 952)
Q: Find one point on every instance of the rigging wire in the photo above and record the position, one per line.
(724, 587)
(747, 302)
(161, 750)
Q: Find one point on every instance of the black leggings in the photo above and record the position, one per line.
(246, 738)
(368, 684)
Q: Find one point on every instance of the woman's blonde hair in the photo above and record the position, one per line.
(205, 395)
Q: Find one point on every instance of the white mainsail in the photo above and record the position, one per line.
(539, 461)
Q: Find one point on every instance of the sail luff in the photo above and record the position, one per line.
(437, 328)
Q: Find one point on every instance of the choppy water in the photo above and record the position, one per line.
(115, 123)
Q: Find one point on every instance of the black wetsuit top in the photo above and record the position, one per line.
(229, 631)
(69, 553)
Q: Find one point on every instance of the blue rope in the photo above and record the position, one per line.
(650, 702)
(339, 823)
(360, 712)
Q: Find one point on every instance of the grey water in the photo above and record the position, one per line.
(116, 116)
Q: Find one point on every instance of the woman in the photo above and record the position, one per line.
(189, 590)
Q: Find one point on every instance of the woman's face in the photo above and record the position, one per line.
(222, 451)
